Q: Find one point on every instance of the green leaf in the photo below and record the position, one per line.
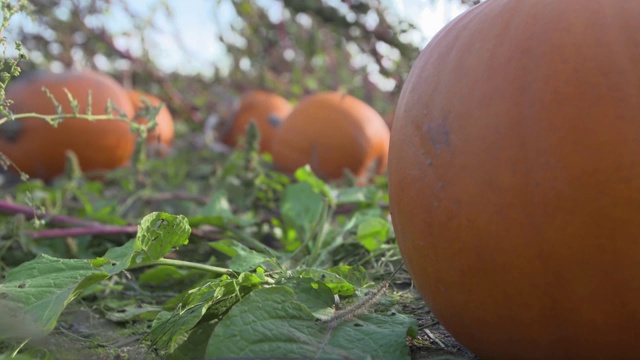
(270, 322)
(216, 212)
(231, 291)
(158, 234)
(212, 299)
(195, 345)
(306, 175)
(380, 336)
(243, 259)
(40, 289)
(373, 232)
(161, 274)
(118, 257)
(313, 294)
(168, 326)
(351, 195)
(301, 207)
(354, 275)
(337, 284)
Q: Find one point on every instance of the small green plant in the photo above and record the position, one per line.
(9, 66)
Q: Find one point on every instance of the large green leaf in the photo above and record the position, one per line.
(212, 299)
(270, 322)
(37, 291)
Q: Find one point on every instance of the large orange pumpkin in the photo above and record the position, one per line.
(162, 135)
(38, 148)
(514, 178)
(267, 109)
(332, 132)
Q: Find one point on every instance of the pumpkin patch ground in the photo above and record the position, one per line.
(274, 212)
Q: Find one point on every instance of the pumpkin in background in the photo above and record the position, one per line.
(389, 118)
(161, 137)
(332, 132)
(266, 108)
(514, 178)
(38, 148)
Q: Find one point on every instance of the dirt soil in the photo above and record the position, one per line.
(433, 341)
(82, 334)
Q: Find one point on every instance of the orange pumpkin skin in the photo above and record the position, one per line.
(266, 108)
(332, 132)
(163, 133)
(514, 178)
(39, 149)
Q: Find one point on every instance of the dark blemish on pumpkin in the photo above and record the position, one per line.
(358, 325)
(11, 130)
(429, 162)
(439, 134)
(22, 286)
(274, 120)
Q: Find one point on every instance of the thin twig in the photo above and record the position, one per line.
(432, 337)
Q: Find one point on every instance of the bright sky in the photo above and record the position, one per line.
(198, 24)
(200, 21)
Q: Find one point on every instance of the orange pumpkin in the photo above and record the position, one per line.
(163, 133)
(332, 132)
(267, 109)
(514, 178)
(38, 148)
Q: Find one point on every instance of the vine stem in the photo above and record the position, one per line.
(188, 265)
(30, 213)
(52, 118)
(80, 226)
